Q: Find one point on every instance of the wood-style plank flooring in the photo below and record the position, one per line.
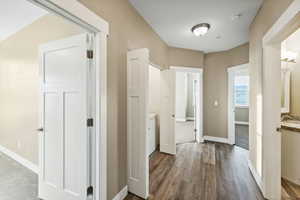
(209, 171)
(289, 190)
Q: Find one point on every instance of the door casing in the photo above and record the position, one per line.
(76, 12)
(231, 107)
(199, 71)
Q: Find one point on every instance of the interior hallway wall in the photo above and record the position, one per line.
(128, 30)
(270, 11)
(216, 88)
(19, 83)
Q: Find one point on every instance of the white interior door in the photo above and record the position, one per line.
(167, 114)
(137, 122)
(198, 107)
(64, 138)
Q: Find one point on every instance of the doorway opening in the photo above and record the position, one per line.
(276, 61)
(50, 101)
(290, 116)
(187, 105)
(238, 105)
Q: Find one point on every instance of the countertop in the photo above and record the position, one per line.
(291, 125)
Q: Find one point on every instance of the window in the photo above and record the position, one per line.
(241, 91)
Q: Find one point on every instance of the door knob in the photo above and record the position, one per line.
(40, 129)
(278, 129)
(173, 116)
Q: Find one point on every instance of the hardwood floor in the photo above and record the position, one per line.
(209, 171)
(290, 190)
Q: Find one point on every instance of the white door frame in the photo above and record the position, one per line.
(200, 72)
(77, 13)
(271, 138)
(231, 107)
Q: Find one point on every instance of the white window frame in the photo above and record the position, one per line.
(242, 105)
(232, 71)
(76, 12)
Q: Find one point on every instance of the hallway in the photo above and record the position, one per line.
(206, 171)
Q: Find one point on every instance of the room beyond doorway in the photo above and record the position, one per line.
(238, 105)
(188, 104)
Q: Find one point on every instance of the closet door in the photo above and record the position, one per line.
(137, 122)
(167, 115)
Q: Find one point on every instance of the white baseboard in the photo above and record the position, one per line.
(216, 139)
(20, 159)
(256, 176)
(122, 194)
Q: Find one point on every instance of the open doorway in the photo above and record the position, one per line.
(181, 117)
(186, 106)
(278, 59)
(48, 102)
(290, 116)
(238, 105)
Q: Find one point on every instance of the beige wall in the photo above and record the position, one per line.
(128, 30)
(185, 57)
(19, 85)
(215, 88)
(270, 11)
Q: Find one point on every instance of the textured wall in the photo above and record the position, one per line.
(128, 30)
(19, 86)
(270, 11)
(215, 88)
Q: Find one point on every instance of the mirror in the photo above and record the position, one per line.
(285, 90)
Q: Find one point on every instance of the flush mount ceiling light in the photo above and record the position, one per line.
(200, 29)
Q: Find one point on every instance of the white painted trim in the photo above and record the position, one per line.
(190, 118)
(76, 12)
(200, 71)
(180, 120)
(281, 23)
(187, 69)
(255, 175)
(26, 163)
(241, 123)
(232, 72)
(271, 109)
(122, 194)
(156, 66)
(216, 139)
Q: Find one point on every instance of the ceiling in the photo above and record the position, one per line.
(173, 20)
(16, 14)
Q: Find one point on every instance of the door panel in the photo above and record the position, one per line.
(137, 122)
(167, 115)
(63, 144)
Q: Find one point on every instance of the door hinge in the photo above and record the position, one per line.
(195, 130)
(90, 122)
(90, 54)
(90, 191)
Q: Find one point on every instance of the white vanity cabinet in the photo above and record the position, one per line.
(151, 133)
